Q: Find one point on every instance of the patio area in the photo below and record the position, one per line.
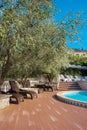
(43, 113)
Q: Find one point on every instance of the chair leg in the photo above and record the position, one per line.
(31, 96)
(17, 100)
(17, 97)
(13, 97)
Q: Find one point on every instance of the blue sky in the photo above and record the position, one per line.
(75, 5)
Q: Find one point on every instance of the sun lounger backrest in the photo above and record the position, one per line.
(14, 87)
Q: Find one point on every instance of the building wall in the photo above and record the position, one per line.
(80, 54)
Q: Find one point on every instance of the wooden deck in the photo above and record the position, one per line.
(43, 113)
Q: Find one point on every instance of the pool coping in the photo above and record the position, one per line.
(71, 101)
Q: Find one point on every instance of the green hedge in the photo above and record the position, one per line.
(78, 72)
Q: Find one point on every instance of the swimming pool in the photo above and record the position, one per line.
(78, 98)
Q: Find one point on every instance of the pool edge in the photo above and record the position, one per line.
(70, 101)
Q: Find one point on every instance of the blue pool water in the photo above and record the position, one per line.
(76, 95)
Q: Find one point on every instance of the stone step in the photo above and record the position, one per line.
(69, 86)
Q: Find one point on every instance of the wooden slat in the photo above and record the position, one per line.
(43, 113)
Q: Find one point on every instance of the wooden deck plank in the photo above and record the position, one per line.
(43, 113)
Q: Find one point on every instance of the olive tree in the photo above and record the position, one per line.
(30, 44)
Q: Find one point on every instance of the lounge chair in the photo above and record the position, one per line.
(17, 97)
(27, 86)
(15, 89)
(14, 97)
(45, 87)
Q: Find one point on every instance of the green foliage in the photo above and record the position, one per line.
(78, 60)
(30, 44)
(74, 72)
(43, 54)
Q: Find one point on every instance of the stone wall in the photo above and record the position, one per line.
(83, 85)
(4, 100)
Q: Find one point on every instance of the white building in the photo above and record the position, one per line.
(80, 53)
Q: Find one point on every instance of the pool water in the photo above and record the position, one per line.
(76, 95)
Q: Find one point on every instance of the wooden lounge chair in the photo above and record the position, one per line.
(45, 87)
(48, 88)
(14, 97)
(17, 97)
(27, 86)
(15, 89)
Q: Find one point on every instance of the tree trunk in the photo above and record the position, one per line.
(6, 65)
(1, 81)
(50, 77)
